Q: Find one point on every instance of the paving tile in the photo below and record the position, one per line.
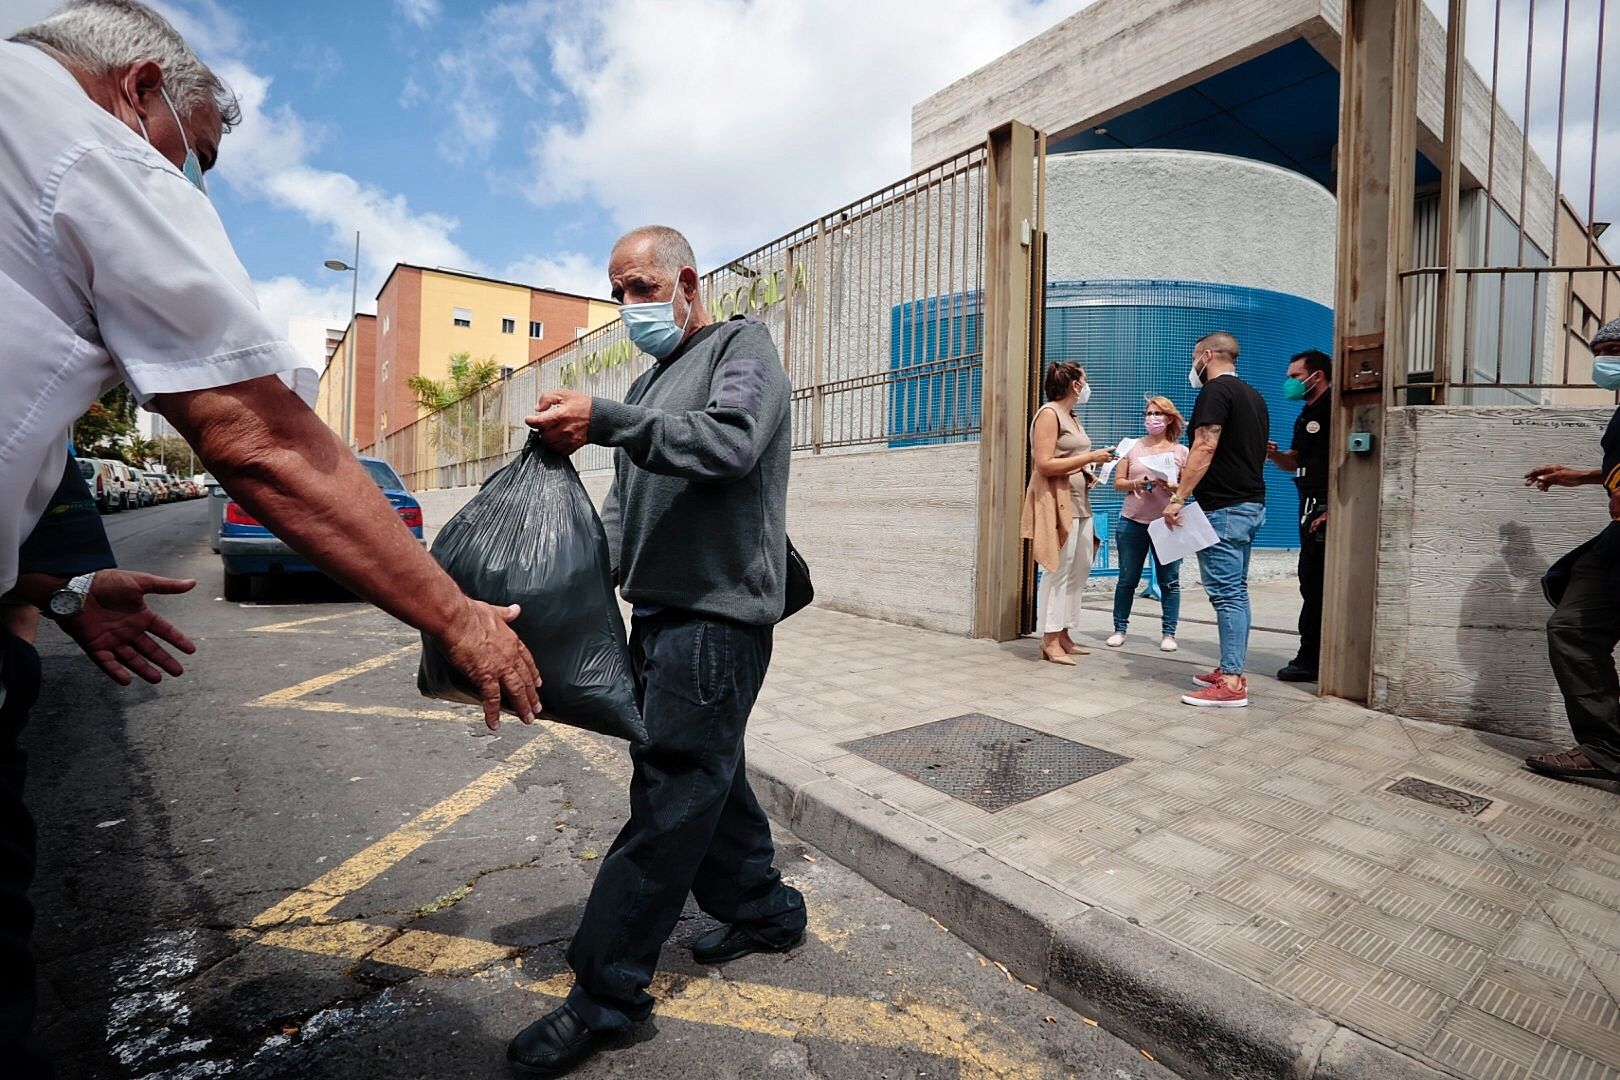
(1310, 906)
(1359, 757)
(1397, 1008)
(1127, 888)
(1326, 977)
(1148, 803)
(1541, 947)
(1582, 918)
(1053, 852)
(1260, 946)
(1407, 897)
(1251, 886)
(1263, 752)
(1522, 996)
(1475, 921)
(1190, 783)
(1303, 789)
(1167, 850)
(1590, 885)
(1374, 845)
(1480, 1046)
(1233, 834)
(1391, 813)
(1590, 1024)
(1310, 861)
(1153, 747)
(1561, 1063)
(1439, 960)
(1362, 943)
(1099, 824)
(1278, 812)
(1201, 921)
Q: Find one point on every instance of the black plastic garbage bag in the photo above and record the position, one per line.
(532, 537)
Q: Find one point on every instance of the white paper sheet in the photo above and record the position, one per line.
(1193, 535)
(1120, 450)
(1164, 466)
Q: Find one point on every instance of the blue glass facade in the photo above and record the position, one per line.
(1135, 339)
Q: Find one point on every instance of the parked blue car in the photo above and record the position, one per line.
(248, 549)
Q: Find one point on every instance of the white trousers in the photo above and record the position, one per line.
(1057, 598)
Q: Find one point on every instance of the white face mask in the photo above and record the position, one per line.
(1194, 377)
(1085, 393)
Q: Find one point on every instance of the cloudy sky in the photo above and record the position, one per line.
(519, 138)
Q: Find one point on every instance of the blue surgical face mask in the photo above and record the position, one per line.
(1606, 372)
(652, 326)
(192, 166)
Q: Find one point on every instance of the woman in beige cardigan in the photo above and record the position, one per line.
(1057, 508)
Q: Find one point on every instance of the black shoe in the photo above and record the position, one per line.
(735, 942)
(554, 1044)
(1296, 672)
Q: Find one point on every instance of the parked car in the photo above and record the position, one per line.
(145, 492)
(162, 487)
(247, 549)
(216, 509)
(99, 479)
(127, 480)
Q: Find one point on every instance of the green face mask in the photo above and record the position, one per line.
(1294, 389)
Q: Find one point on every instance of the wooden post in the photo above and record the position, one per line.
(1010, 179)
(1377, 155)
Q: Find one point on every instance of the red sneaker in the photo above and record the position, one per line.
(1211, 678)
(1220, 696)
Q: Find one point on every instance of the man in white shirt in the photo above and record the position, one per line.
(114, 266)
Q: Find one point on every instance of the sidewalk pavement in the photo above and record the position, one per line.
(1242, 893)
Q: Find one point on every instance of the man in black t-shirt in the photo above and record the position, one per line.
(1309, 380)
(1230, 425)
(1585, 628)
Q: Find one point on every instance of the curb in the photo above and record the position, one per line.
(1197, 1018)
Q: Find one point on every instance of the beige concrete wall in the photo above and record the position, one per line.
(889, 534)
(1461, 619)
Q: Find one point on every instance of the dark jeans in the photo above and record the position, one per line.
(1312, 568)
(19, 675)
(1581, 636)
(1135, 548)
(694, 825)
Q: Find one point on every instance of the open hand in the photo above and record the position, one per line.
(1551, 476)
(121, 634)
(563, 419)
(483, 647)
(1318, 523)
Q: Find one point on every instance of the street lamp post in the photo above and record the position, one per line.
(352, 333)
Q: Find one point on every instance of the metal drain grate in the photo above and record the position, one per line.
(985, 761)
(1439, 795)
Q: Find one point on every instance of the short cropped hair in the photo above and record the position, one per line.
(1219, 341)
(110, 35)
(1315, 361)
(671, 251)
(1061, 376)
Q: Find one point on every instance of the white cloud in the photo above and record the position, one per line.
(418, 12)
(569, 272)
(733, 119)
(283, 298)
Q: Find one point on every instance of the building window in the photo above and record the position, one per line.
(461, 316)
(385, 371)
(508, 324)
(537, 330)
(385, 324)
(579, 332)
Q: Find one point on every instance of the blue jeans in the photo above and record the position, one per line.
(694, 825)
(1225, 571)
(1134, 550)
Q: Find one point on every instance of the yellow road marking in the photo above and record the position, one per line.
(756, 1008)
(296, 624)
(321, 682)
(332, 887)
(786, 1013)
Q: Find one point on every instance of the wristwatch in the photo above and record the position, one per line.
(68, 601)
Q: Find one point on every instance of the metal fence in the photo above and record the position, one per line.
(874, 307)
(1507, 279)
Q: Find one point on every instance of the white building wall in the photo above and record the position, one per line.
(1186, 216)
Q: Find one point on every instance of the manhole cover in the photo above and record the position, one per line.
(1439, 795)
(987, 762)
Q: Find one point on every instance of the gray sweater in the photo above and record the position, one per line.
(697, 517)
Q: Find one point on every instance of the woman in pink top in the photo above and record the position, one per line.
(1147, 493)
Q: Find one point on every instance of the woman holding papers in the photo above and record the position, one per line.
(1057, 508)
(1147, 474)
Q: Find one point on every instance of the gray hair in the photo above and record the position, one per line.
(1609, 333)
(110, 35)
(670, 249)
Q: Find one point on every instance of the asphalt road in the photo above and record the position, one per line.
(288, 864)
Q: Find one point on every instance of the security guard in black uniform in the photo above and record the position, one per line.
(1309, 379)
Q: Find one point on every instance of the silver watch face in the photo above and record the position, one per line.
(66, 603)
